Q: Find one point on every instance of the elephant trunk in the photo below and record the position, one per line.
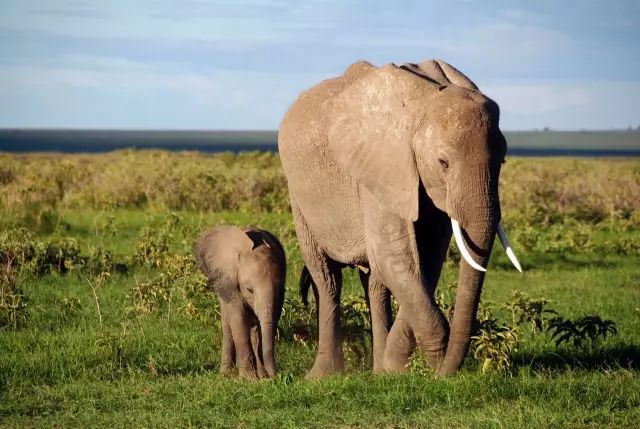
(478, 232)
(268, 352)
(268, 314)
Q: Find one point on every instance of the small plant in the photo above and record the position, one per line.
(42, 218)
(178, 279)
(70, 306)
(17, 247)
(152, 245)
(418, 364)
(493, 344)
(355, 313)
(12, 301)
(526, 237)
(110, 343)
(453, 256)
(445, 298)
(583, 333)
(108, 226)
(147, 296)
(297, 322)
(572, 238)
(56, 257)
(151, 248)
(95, 285)
(98, 261)
(622, 246)
(356, 329)
(526, 310)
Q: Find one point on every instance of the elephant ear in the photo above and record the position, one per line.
(371, 126)
(256, 237)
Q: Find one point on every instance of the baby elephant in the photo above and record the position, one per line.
(246, 268)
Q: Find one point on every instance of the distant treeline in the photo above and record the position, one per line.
(521, 143)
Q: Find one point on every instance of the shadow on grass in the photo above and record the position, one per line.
(622, 356)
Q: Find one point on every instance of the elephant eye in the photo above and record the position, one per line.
(444, 164)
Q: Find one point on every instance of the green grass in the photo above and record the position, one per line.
(60, 368)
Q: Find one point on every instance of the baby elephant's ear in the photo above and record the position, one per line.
(371, 125)
(257, 238)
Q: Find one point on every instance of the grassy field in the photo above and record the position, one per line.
(104, 320)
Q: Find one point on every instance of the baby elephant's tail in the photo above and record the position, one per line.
(306, 281)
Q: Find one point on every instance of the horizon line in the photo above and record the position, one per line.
(266, 130)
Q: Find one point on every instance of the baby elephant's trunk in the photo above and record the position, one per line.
(268, 352)
(268, 312)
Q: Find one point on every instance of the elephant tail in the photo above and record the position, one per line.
(306, 282)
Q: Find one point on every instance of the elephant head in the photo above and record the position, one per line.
(399, 127)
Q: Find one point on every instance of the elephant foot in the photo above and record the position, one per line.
(433, 351)
(378, 367)
(326, 365)
(226, 370)
(260, 371)
(395, 363)
(401, 344)
(269, 372)
(248, 373)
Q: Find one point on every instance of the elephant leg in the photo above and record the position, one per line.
(420, 321)
(394, 257)
(257, 351)
(228, 353)
(328, 279)
(240, 322)
(400, 345)
(379, 301)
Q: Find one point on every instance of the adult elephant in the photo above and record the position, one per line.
(382, 165)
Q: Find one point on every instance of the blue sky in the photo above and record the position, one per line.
(196, 64)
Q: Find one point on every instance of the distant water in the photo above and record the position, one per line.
(525, 143)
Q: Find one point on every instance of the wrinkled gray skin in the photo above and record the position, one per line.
(247, 270)
(377, 161)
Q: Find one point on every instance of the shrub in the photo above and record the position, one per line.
(59, 256)
(12, 301)
(529, 311)
(541, 192)
(297, 322)
(17, 247)
(494, 343)
(179, 282)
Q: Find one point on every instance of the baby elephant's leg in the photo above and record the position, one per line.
(257, 350)
(240, 322)
(228, 354)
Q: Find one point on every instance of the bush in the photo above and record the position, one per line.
(59, 256)
(12, 301)
(538, 192)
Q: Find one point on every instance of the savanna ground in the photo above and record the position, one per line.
(105, 321)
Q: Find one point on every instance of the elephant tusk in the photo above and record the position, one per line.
(457, 233)
(507, 247)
